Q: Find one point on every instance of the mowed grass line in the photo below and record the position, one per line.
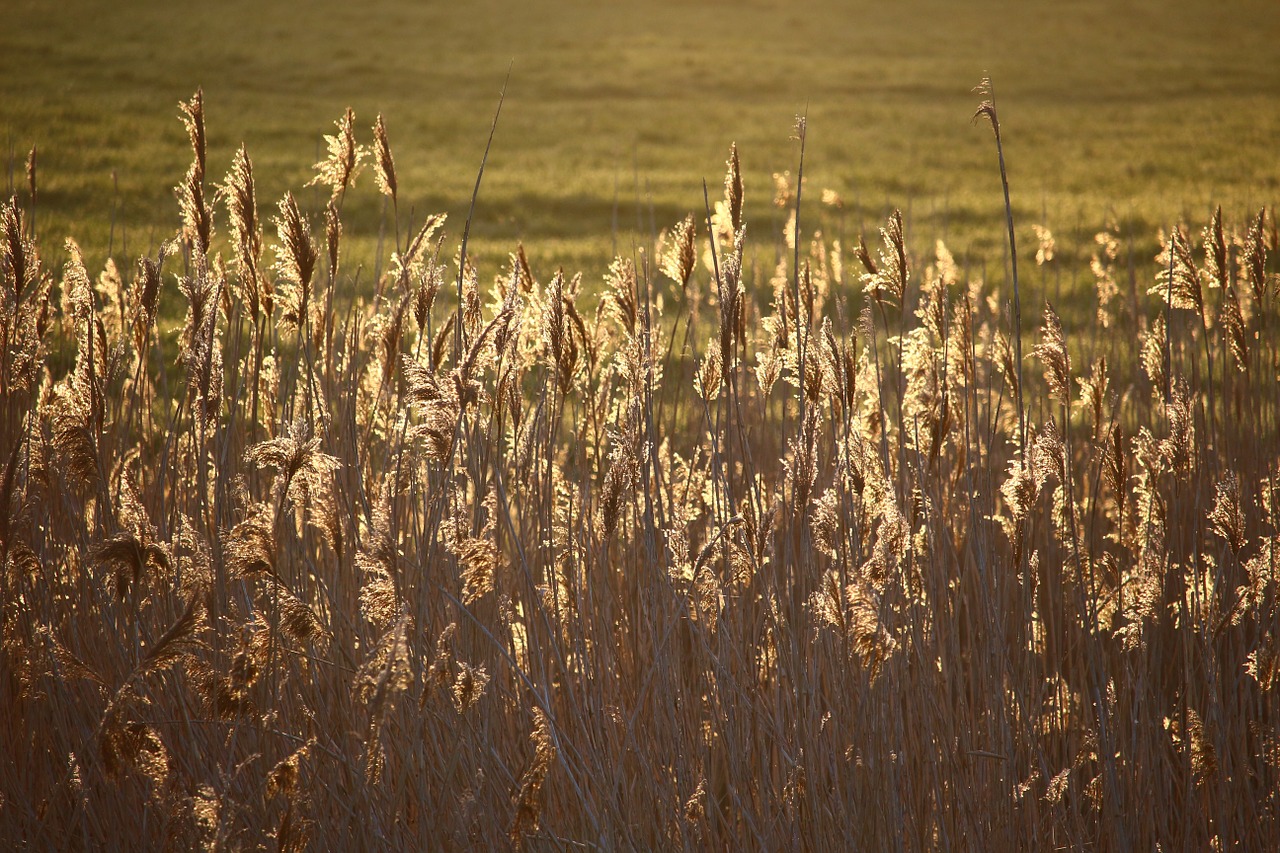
(616, 113)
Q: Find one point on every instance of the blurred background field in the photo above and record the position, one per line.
(616, 112)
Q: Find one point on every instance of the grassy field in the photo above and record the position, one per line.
(752, 543)
(1141, 111)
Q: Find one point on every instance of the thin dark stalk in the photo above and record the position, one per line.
(802, 329)
(988, 109)
(466, 228)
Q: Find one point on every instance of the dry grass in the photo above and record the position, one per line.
(750, 554)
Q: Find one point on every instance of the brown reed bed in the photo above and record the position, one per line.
(719, 553)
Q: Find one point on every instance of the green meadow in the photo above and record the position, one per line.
(616, 112)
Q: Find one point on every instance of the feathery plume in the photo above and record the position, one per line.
(680, 254)
(241, 199)
(1052, 350)
(383, 163)
(529, 800)
(1255, 257)
(345, 159)
(296, 257)
(889, 276)
(197, 217)
(1178, 280)
(733, 188)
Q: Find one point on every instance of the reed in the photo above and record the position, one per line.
(735, 549)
